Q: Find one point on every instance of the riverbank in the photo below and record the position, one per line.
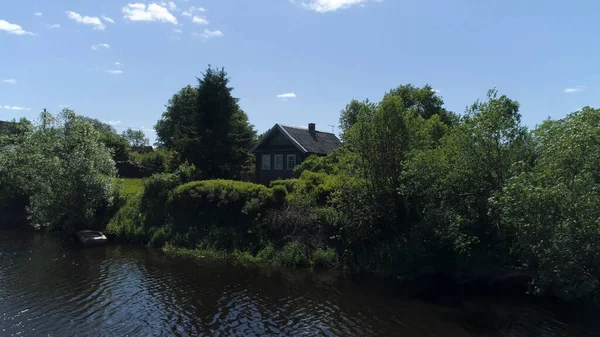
(51, 287)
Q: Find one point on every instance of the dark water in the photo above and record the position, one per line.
(52, 288)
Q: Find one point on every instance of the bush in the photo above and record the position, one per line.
(318, 186)
(152, 162)
(155, 195)
(294, 254)
(187, 173)
(127, 223)
(220, 203)
(160, 237)
(325, 259)
(267, 254)
(279, 195)
(291, 185)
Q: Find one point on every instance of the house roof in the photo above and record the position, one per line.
(306, 141)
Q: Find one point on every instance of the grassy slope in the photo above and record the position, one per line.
(132, 186)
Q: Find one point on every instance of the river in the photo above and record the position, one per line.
(53, 288)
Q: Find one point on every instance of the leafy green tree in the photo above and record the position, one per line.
(553, 209)
(450, 185)
(118, 144)
(349, 116)
(424, 101)
(65, 170)
(136, 137)
(206, 126)
(383, 139)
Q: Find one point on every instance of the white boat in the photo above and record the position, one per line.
(91, 238)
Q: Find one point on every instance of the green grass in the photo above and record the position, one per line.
(132, 186)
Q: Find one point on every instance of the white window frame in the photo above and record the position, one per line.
(287, 162)
(275, 162)
(267, 161)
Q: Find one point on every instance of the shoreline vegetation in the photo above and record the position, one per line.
(415, 194)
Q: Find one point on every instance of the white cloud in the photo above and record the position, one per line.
(10, 81)
(435, 91)
(212, 33)
(192, 10)
(12, 28)
(173, 6)
(107, 19)
(287, 95)
(8, 107)
(575, 89)
(199, 20)
(178, 31)
(86, 20)
(118, 64)
(322, 6)
(115, 71)
(37, 14)
(56, 25)
(114, 122)
(152, 12)
(100, 45)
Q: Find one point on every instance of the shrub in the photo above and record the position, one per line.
(267, 254)
(325, 259)
(219, 203)
(127, 223)
(154, 197)
(291, 185)
(279, 195)
(153, 162)
(187, 173)
(160, 237)
(294, 254)
(297, 222)
(318, 186)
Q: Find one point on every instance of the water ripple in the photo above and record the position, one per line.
(52, 288)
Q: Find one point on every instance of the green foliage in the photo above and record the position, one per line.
(136, 137)
(553, 209)
(187, 173)
(424, 101)
(325, 259)
(160, 237)
(220, 203)
(293, 254)
(349, 116)
(132, 186)
(279, 194)
(329, 164)
(290, 185)
(152, 162)
(208, 117)
(65, 171)
(118, 144)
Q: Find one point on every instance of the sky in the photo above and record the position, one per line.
(294, 62)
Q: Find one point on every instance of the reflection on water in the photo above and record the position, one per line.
(51, 288)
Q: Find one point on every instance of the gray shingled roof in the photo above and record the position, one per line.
(312, 142)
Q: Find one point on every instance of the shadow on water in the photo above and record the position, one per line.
(50, 287)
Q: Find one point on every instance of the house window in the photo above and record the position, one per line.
(266, 161)
(278, 162)
(291, 161)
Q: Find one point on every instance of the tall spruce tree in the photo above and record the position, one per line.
(206, 126)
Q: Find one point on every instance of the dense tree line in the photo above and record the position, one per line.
(414, 187)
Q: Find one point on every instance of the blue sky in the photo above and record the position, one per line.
(122, 60)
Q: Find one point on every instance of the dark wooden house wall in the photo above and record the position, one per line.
(277, 144)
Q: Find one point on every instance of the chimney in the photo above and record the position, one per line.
(311, 127)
